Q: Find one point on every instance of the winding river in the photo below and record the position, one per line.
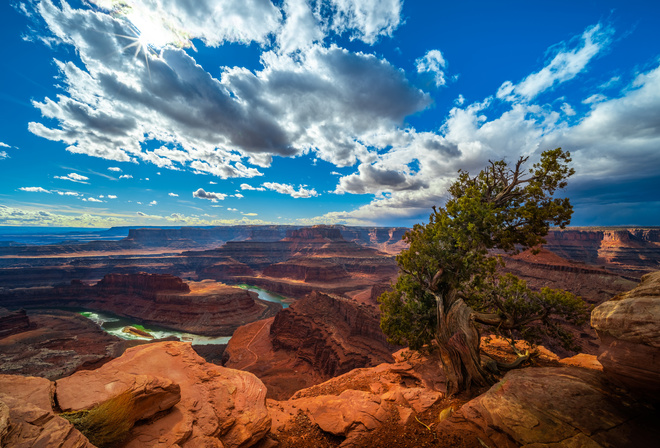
(115, 325)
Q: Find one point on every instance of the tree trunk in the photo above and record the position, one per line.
(458, 340)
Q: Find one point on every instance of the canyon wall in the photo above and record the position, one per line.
(208, 309)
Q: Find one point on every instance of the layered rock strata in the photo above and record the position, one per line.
(57, 344)
(207, 308)
(629, 328)
(316, 338)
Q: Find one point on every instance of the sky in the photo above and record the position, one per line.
(357, 112)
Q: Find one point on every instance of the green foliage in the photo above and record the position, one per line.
(106, 425)
(503, 208)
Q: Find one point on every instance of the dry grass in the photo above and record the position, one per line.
(106, 425)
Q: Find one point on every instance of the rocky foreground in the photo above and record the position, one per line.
(167, 396)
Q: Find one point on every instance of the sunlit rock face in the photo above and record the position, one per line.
(629, 328)
(176, 400)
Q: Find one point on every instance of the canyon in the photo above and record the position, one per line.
(320, 370)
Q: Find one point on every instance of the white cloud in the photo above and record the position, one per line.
(250, 187)
(326, 100)
(568, 110)
(301, 28)
(366, 20)
(4, 155)
(212, 183)
(114, 168)
(153, 203)
(34, 189)
(4, 145)
(302, 192)
(201, 194)
(250, 214)
(74, 177)
(90, 199)
(433, 62)
(68, 193)
(112, 196)
(213, 22)
(565, 65)
(238, 195)
(595, 98)
(174, 195)
(126, 176)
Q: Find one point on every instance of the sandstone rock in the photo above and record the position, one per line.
(554, 407)
(29, 389)
(219, 407)
(142, 282)
(22, 424)
(202, 307)
(356, 403)
(87, 389)
(13, 322)
(59, 344)
(583, 360)
(629, 328)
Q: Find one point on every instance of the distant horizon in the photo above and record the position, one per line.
(303, 112)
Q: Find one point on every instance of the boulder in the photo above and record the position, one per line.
(88, 389)
(219, 407)
(554, 407)
(629, 328)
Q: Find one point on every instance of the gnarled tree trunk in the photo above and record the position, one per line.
(458, 341)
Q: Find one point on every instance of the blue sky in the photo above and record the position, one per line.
(180, 112)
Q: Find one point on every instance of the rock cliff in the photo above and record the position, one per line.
(207, 308)
(629, 328)
(317, 337)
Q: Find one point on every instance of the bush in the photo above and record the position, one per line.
(107, 424)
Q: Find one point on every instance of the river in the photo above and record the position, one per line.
(115, 325)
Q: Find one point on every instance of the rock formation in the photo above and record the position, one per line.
(13, 322)
(542, 407)
(206, 308)
(57, 344)
(629, 328)
(316, 338)
(177, 400)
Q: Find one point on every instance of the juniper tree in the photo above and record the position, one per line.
(449, 284)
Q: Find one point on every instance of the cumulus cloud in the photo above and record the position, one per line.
(91, 199)
(34, 189)
(238, 195)
(174, 195)
(153, 203)
(290, 190)
(434, 63)
(565, 65)
(323, 99)
(112, 196)
(74, 177)
(4, 155)
(201, 194)
(126, 176)
(115, 169)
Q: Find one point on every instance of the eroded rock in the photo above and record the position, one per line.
(629, 329)
(554, 407)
